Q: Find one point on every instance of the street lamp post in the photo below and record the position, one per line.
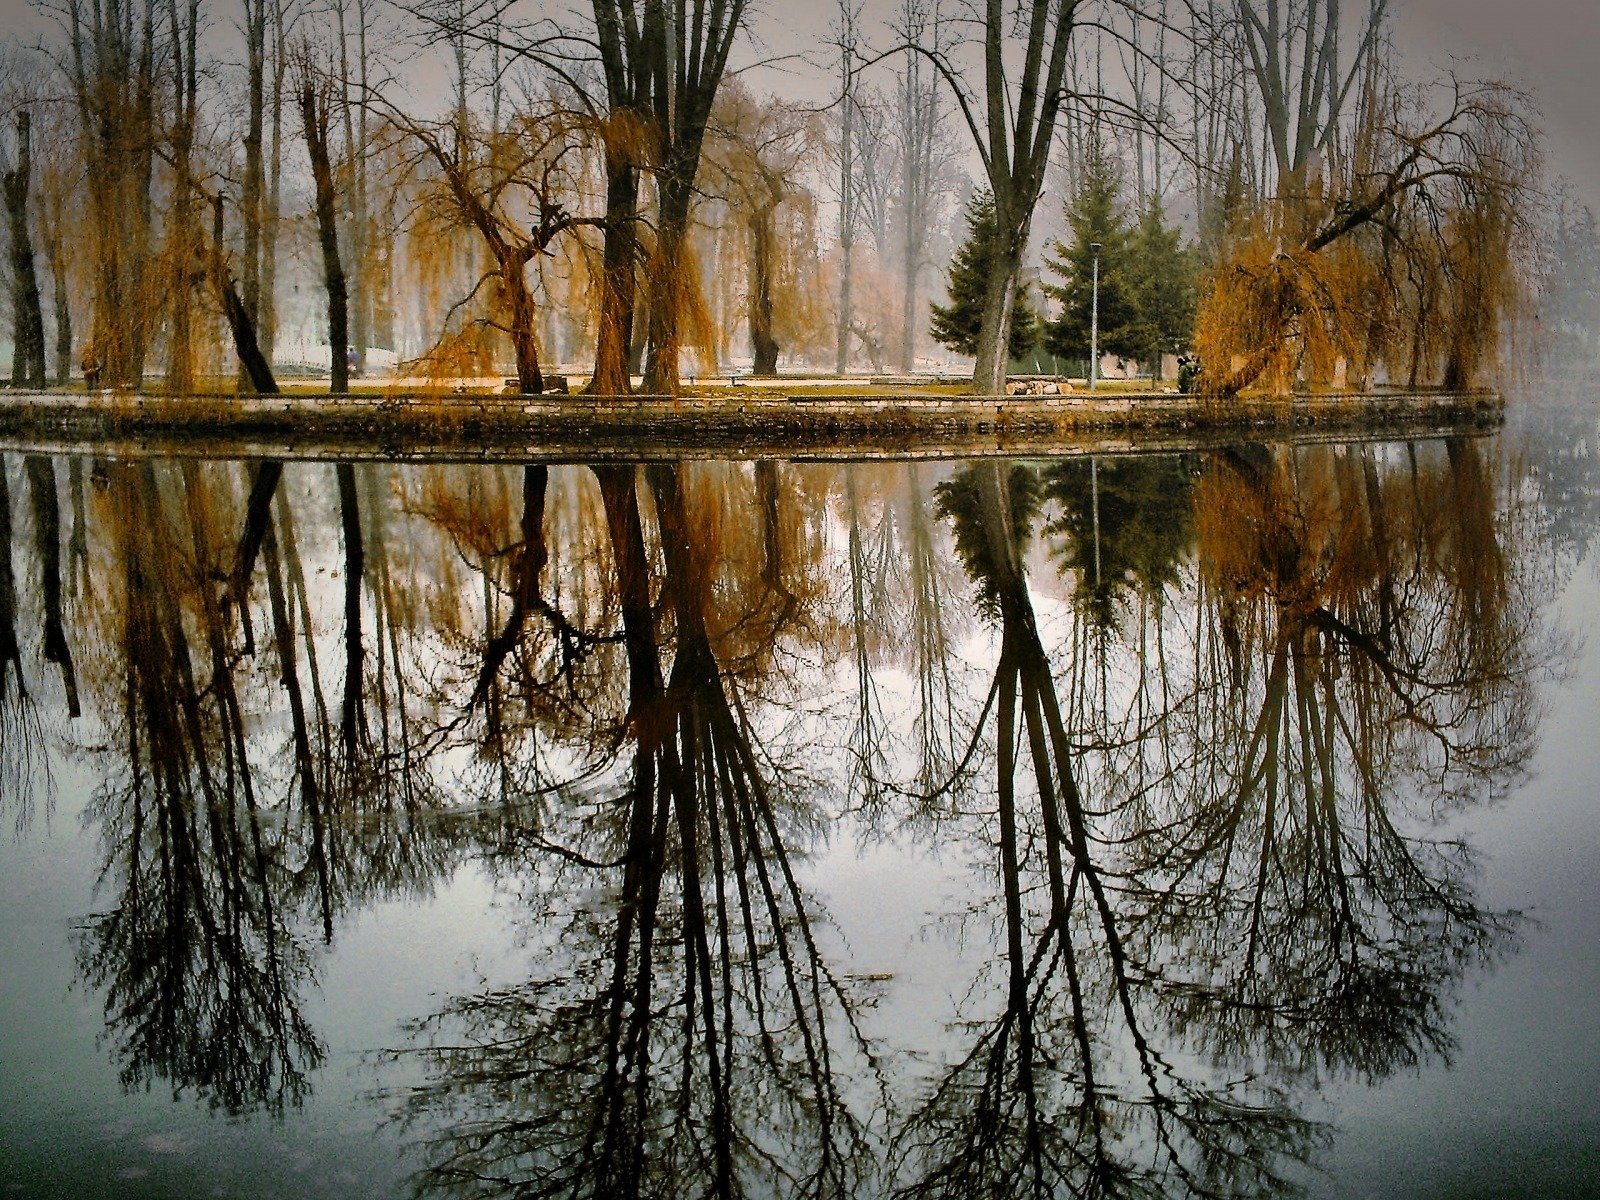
(1094, 321)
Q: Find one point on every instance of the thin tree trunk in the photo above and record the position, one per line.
(314, 115)
(254, 364)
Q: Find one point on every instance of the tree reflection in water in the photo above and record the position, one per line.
(1199, 749)
(199, 969)
(1068, 1090)
(685, 1034)
(1241, 882)
(216, 846)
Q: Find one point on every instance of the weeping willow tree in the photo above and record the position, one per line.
(754, 153)
(513, 188)
(1388, 246)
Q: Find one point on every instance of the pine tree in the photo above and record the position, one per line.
(956, 325)
(1095, 216)
(1163, 277)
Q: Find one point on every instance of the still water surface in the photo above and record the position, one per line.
(1194, 824)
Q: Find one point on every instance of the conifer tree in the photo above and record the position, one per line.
(956, 325)
(1095, 217)
(1163, 275)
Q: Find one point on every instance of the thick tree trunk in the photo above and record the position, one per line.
(763, 342)
(618, 279)
(27, 358)
(314, 115)
(670, 284)
(524, 328)
(994, 331)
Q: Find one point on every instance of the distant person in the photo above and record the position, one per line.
(350, 361)
(91, 369)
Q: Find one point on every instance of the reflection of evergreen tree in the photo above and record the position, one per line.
(960, 499)
(1124, 526)
(1068, 1090)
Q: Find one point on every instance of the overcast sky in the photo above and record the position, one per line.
(1553, 45)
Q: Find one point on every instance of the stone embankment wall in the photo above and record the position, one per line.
(613, 424)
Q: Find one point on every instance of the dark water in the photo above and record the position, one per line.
(1212, 824)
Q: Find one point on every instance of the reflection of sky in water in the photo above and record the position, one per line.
(1515, 1102)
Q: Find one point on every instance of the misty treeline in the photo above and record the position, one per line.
(657, 191)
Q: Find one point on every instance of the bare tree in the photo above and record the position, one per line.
(27, 355)
(314, 97)
(1013, 128)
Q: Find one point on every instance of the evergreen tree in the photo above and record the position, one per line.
(956, 325)
(1095, 216)
(1163, 276)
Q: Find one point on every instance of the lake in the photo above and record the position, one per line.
(1213, 822)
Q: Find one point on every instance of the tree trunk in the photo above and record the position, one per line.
(618, 278)
(847, 191)
(314, 115)
(63, 308)
(273, 207)
(763, 343)
(27, 356)
(670, 284)
(994, 332)
(254, 364)
(180, 349)
(524, 329)
(255, 34)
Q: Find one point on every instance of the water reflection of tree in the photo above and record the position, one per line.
(215, 842)
(1067, 1089)
(1381, 647)
(1123, 526)
(21, 732)
(684, 1034)
(199, 970)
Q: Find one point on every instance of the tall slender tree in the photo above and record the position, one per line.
(27, 355)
